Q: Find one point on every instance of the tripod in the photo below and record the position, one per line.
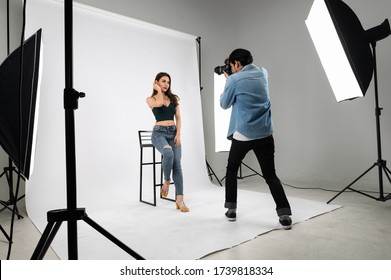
(12, 199)
(212, 173)
(8, 173)
(240, 175)
(72, 214)
(380, 163)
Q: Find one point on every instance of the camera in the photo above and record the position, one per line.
(225, 68)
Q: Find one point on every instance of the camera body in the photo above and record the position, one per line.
(225, 68)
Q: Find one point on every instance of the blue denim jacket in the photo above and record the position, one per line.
(247, 91)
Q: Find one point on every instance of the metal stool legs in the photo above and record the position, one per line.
(145, 142)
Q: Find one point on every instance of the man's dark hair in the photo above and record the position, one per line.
(241, 55)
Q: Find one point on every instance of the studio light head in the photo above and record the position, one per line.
(379, 32)
(344, 47)
(19, 100)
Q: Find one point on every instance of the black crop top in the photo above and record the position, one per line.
(164, 113)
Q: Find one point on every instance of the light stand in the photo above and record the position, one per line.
(8, 173)
(240, 175)
(212, 173)
(12, 201)
(348, 56)
(72, 214)
(380, 163)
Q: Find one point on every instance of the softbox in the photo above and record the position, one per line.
(19, 100)
(343, 47)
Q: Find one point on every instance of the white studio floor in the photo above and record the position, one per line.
(357, 230)
(164, 233)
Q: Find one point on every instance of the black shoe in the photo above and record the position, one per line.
(231, 216)
(286, 222)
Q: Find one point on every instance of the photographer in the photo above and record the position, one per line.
(250, 128)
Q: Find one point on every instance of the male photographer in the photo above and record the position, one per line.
(250, 128)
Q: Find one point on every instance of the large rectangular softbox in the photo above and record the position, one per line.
(19, 100)
(343, 48)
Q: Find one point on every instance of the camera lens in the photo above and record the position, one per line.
(219, 70)
(225, 68)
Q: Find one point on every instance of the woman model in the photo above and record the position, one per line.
(166, 135)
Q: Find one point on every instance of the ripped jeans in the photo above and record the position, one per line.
(163, 140)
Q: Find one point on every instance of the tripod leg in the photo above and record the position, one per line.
(240, 172)
(387, 172)
(5, 233)
(12, 199)
(111, 238)
(211, 172)
(16, 208)
(45, 241)
(352, 183)
(6, 206)
(255, 172)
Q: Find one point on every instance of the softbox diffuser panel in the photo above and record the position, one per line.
(221, 116)
(342, 46)
(19, 102)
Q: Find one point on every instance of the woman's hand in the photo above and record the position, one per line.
(157, 87)
(177, 141)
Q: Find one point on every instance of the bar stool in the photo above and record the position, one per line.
(145, 139)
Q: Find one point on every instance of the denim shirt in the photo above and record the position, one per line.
(247, 91)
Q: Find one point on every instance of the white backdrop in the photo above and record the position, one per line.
(115, 61)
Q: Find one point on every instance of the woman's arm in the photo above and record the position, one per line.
(178, 123)
(156, 100)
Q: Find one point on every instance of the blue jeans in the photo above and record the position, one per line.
(264, 151)
(163, 140)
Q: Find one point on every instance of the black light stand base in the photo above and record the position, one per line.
(7, 172)
(5, 234)
(382, 166)
(55, 219)
(212, 173)
(380, 163)
(8, 204)
(240, 175)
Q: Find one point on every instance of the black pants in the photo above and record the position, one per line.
(264, 151)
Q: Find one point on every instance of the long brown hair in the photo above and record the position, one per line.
(173, 97)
